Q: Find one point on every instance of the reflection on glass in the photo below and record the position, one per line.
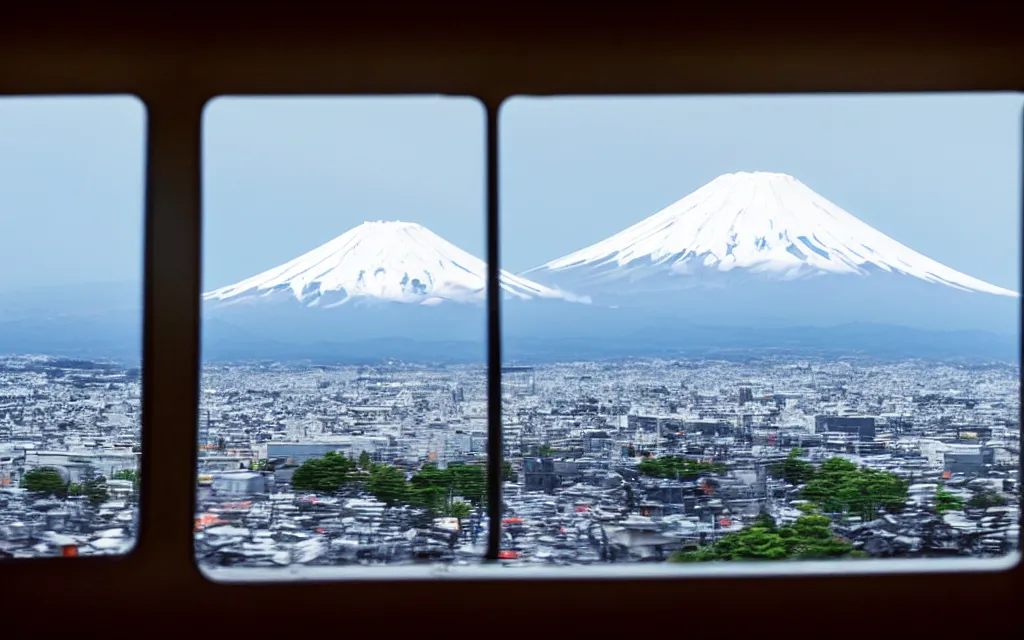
(788, 328)
(71, 202)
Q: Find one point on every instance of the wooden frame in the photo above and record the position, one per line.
(176, 65)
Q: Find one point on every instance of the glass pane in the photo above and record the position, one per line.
(72, 173)
(789, 327)
(343, 409)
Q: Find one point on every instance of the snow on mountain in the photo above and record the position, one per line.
(393, 261)
(769, 224)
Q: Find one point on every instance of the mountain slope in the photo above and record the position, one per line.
(746, 226)
(391, 261)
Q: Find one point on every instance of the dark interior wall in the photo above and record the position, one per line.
(176, 61)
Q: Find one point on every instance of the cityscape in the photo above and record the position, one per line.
(70, 445)
(669, 460)
(635, 461)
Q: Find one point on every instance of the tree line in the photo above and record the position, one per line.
(677, 467)
(430, 488)
(47, 481)
(808, 538)
(837, 486)
(840, 486)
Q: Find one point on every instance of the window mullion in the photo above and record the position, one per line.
(170, 365)
(495, 450)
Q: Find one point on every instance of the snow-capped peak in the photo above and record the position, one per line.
(394, 261)
(763, 222)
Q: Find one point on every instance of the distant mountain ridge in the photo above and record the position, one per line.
(751, 261)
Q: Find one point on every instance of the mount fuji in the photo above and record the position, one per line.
(763, 249)
(385, 261)
(391, 282)
(768, 224)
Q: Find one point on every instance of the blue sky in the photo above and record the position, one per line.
(284, 175)
(939, 173)
(281, 176)
(72, 171)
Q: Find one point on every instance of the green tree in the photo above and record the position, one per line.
(545, 450)
(460, 510)
(94, 488)
(765, 521)
(129, 474)
(470, 481)
(365, 463)
(126, 474)
(387, 484)
(839, 485)
(508, 474)
(754, 543)
(46, 481)
(794, 470)
(431, 487)
(986, 499)
(808, 538)
(677, 467)
(324, 475)
(946, 501)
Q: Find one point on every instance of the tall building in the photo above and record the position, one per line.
(861, 426)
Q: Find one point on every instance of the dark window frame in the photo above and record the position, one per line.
(975, 49)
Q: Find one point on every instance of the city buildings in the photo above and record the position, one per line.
(615, 461)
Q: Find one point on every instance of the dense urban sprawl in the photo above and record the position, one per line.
(605, 462)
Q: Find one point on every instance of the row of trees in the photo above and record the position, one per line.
(986, 499)
(677, 467)
(946, 501)
(47, 481)
(840, 486)
(431, 488)
(808, 538)
(837, 486)
(546, 450)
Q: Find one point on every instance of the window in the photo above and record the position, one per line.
(776, 328)
(176, 67)
(71, 201)
(343, 411)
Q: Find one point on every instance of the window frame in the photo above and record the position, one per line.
(427, 55)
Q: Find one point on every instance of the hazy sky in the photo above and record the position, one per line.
(940, 174)
(71, 190)
(281, 176)
(284, 175)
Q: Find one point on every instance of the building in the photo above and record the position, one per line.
(519, 380)
(861, 426)
(540, 474)
(295, 453)
(239, 484)
(708, 427)
(968, 460)
(597, 442)
(73, 465)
